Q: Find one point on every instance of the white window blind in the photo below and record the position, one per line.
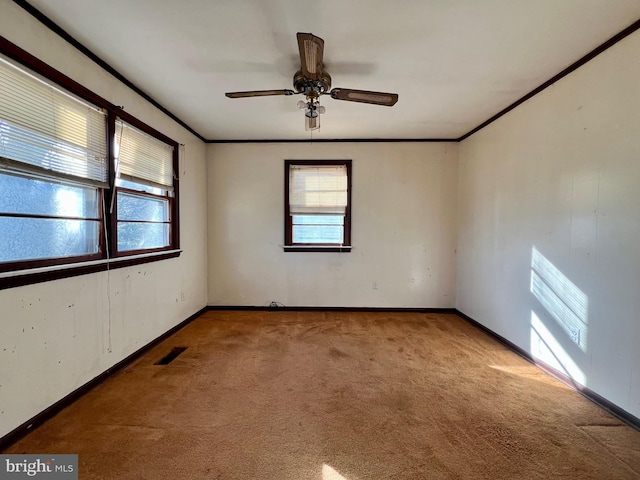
(317, 190)
(43, 127)
(142, 158)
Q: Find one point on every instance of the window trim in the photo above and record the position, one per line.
(289, 246)
(26, 272)
(20, 278)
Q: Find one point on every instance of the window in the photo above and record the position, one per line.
(318, 205)
(47, 218)
(144, 190)
(80, 179)
(53, 169)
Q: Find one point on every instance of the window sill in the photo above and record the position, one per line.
(44, 274)
(317, 248)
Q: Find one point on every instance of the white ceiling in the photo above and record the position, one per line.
(454, 63)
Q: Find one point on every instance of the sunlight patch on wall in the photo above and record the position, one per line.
(545, 347)
(565, 302)
(329, 473)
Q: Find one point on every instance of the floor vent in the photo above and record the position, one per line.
(170, 357)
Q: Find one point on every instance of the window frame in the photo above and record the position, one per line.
(174, 221)
(30, 271)
(26, 264)
(289, 245)
(141, 195)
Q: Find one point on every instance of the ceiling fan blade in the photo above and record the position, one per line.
(365, 96)
(259, 93)
(311, 53)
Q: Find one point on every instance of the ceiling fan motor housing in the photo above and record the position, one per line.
(312, 88)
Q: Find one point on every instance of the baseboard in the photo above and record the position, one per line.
(49, 412)
(586, 392)
(331, 309)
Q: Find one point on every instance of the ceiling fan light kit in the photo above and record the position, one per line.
(312, 112)
(313, 81)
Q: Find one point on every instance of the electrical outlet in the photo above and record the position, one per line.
(374, 285)
(183, 297)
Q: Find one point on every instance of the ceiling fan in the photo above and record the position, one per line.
(312, 81)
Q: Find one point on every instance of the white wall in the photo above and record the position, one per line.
(561, 174)
(56, 336)
(403, 228)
